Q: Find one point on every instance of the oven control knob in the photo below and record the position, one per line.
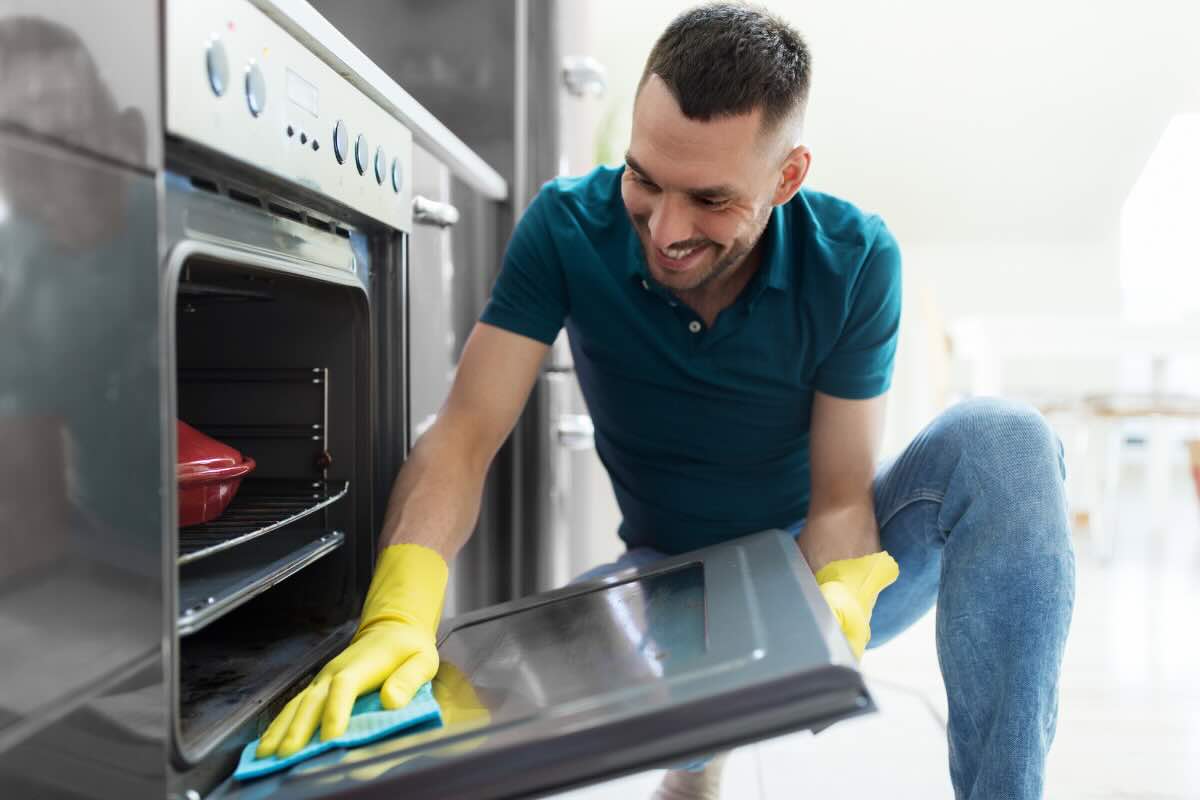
(397, 175)
(380, 165)
(362, 153)
(217, 65)
(256, 89)
(341, 142)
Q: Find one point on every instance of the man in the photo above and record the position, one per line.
(734, 338)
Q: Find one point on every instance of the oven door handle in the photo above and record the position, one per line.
(431, 212)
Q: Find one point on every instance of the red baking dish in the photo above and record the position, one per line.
(209, 474)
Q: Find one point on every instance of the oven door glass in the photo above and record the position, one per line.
(695, 654)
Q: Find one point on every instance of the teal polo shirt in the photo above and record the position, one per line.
(704, 430)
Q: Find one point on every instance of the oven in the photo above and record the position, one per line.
(285, 217)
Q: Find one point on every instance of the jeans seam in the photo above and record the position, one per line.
(924, 495)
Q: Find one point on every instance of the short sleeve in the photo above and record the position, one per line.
(860, 365)
(530, 294)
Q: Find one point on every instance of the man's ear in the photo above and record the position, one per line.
(792, 174)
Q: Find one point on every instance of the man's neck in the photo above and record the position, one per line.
(710, 300)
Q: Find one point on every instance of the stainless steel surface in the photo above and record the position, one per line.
(447, 285)
(81, 515)
(569, 510)
(685, 657)
(432, 212)
(304, 22)
(261, 506)
(71, 73)
(431, 277)
(214, 587)
(286, 87)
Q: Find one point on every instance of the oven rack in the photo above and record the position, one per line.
(261, 506)
(212, 588)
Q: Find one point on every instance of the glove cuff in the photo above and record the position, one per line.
(409, 586)
(874, 572)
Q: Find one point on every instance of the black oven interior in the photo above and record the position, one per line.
(277, 366)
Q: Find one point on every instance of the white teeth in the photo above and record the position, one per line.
(678, 253)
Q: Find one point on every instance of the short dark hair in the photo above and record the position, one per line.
(726, 59)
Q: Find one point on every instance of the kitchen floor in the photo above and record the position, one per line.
(1129, 723)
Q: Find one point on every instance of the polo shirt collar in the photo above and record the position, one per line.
(776, 268)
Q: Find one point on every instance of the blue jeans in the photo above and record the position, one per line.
(974, 511)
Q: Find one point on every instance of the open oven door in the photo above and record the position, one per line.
(694, 654)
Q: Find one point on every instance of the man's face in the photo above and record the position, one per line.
(698, 193)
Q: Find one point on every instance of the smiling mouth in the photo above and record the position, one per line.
(679, 259)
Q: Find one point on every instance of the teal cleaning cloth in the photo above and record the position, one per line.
(369, 722)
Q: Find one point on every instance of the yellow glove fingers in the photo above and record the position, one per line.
(849, 615)
(373, 660)
(274, 734)
(304, 724)
(402, 684)
(881, 572)
(343, 691)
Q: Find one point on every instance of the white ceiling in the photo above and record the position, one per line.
(971, 121)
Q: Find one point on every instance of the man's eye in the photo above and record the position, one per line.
(640, 181)
(709, 202)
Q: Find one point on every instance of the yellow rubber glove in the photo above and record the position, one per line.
(462, 711)
(394, 647)
(851, 587)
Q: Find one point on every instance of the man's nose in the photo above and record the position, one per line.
(669, 223)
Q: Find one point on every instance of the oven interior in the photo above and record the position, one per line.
(277, 366)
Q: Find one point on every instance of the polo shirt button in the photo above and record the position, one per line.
(694, 326)
(645, 285)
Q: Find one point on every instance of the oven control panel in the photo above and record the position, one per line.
(239, 84)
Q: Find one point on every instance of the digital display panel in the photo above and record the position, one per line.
(301, 92)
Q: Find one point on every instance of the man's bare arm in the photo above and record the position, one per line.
(844, 444)
(435, 499)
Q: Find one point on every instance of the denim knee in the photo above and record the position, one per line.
(1008, 440)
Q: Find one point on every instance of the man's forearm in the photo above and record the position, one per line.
(436, 497)
(841, 532)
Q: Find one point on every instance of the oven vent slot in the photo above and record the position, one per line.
(284, 211)
(245, 197)
(205, 184)
(320, 224)
(267, 201)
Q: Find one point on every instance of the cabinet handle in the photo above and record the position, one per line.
(576, 432)
(583, 76)
(431, 212)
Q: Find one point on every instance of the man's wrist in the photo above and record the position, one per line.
(839, 534)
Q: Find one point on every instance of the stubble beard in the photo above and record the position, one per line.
(726, 263)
